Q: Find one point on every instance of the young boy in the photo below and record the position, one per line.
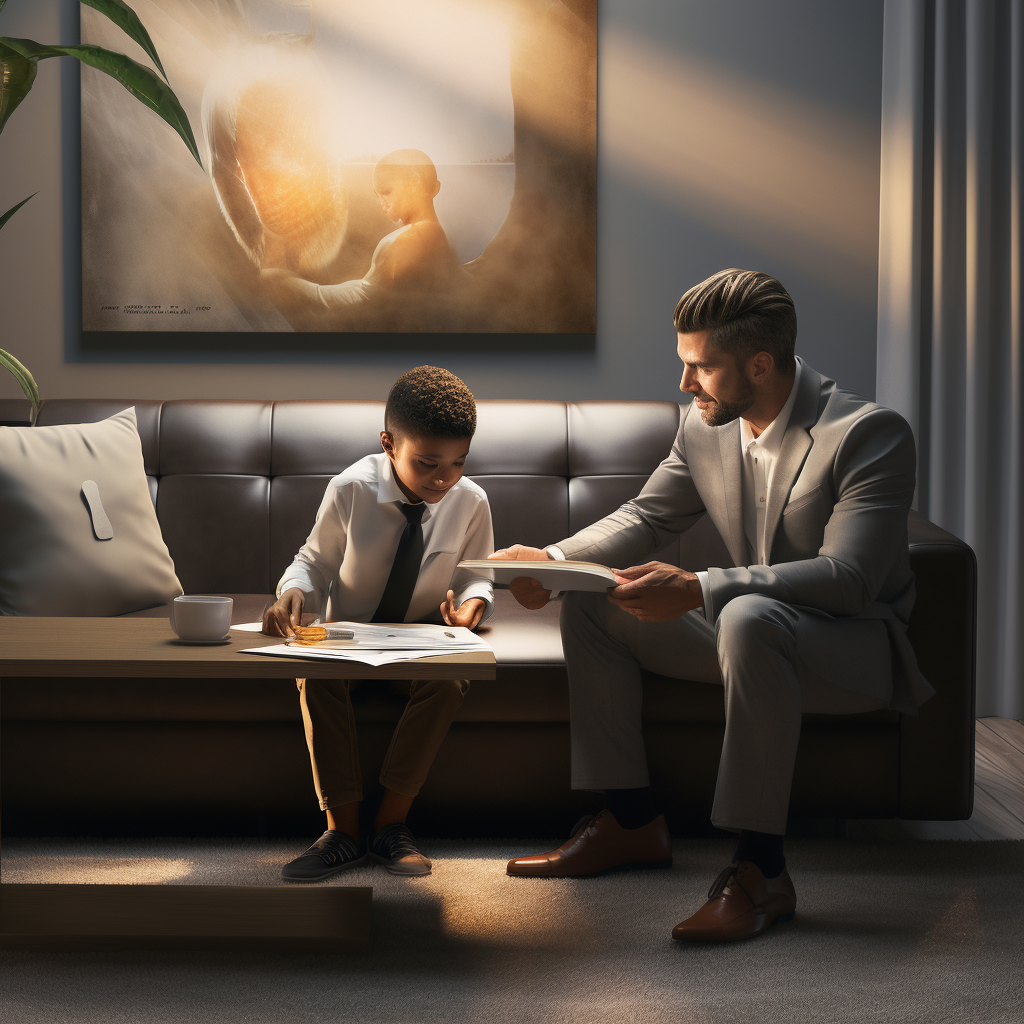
(390, 531)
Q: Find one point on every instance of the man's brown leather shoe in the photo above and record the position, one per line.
(600, 845)
(742, 903)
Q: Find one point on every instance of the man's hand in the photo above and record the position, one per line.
(526, 590)
(656, 592)
(468, 613)
(281, 618)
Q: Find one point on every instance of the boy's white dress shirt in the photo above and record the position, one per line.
(352, 546)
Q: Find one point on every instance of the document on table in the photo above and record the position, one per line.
(382, 644)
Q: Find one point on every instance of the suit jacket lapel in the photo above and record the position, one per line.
(796, 443)
(732, 480)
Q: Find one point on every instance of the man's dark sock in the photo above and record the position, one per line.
(631, 808)
(763, 849)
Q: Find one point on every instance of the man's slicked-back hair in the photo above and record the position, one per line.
(745, 311)
(430, 402)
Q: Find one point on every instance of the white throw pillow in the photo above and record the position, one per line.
(78, 532)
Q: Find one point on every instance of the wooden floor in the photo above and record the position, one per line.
(998, 793)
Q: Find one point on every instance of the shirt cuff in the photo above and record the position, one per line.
(298, 583)
(481, 589)
(705, 589)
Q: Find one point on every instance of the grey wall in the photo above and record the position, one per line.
(732, 133)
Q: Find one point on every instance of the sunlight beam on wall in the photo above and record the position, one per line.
(743, 156)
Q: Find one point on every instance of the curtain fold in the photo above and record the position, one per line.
(949, 320)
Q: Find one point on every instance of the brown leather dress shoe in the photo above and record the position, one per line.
(742, 903)
(600, 844)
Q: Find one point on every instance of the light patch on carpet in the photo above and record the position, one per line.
(480, 901)
(959, 926)
(96, 870)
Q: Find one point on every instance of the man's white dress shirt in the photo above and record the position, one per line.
(759, 454)
(346, 560)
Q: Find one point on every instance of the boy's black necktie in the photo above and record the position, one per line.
(405, 569)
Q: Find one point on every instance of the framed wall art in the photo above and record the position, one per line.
(394, 175)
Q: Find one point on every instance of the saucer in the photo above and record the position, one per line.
(202, 643)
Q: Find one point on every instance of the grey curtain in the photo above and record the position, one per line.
(949, 294)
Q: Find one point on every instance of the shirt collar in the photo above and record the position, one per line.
(770, 439)
(388, 489)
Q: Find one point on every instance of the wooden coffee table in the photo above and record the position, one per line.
(184, 916)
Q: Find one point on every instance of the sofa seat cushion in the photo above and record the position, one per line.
(245, 608)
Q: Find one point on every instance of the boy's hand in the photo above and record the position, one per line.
(468, 613)
(525, 589)
(281, 618)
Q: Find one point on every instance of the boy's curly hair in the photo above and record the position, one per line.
(430, 402)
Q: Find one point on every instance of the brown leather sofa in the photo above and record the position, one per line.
(236, 486)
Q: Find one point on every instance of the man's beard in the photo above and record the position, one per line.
(719, 413)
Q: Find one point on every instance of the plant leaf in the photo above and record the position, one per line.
(24, 378)
(17, 73)
(140, 81)
(14, 209)
(128, 21)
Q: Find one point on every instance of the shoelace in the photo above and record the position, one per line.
(337, 846)
(396, 841)
(724, 878)
(584, 823)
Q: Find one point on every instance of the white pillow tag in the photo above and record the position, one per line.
(100, 523)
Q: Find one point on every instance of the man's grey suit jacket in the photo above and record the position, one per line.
(835, 522)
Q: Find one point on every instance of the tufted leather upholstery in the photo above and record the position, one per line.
(236, 485)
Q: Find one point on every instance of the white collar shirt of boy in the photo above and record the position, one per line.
(351, 548)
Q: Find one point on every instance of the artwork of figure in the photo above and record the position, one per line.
(403, 167)
(278, 184)
(415, 257)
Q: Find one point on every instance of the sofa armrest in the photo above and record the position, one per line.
(937, 746)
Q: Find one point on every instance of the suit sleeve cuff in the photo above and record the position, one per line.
(705, 589)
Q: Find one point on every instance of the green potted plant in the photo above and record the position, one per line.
(18, 65)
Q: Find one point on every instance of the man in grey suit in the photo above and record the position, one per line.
(810, 487)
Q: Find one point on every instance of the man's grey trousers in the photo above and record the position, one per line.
(775, 661)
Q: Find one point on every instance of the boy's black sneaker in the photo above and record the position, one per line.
(394, 847)
(334, 851)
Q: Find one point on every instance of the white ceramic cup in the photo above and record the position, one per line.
(197, 617)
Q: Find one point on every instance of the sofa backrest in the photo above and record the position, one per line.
(236, 484)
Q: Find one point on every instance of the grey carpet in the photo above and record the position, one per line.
(913, 931)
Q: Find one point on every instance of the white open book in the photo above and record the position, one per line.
(552, 575)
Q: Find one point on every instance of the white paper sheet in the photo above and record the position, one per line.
(363, 657)
(400, 636)
(384, 643)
